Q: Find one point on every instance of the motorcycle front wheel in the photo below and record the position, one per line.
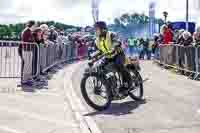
(96, 92)
(138, 92)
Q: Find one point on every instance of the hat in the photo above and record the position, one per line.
(44, 27)
(186, 35)
(52, 27)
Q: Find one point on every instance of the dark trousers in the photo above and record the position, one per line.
(35, 61)
(119, 66)
(22, 67)
(144, 52)
(187, 58)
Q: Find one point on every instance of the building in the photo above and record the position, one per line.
(197, 10)
(152, 24)
(95, 10)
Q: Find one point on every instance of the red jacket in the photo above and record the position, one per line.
(27, 35)
(167, 36)
(26, 38)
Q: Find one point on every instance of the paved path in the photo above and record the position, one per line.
(172, 105)
(42, 111)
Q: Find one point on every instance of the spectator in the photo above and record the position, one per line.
(80, 48)
(196, 37)
(155, 43)
(180, 38)
(62, 40)
(72, 47)
(167, 34)
(186, 55)
(136, 45)
(187, 39)
(38, 39)
(125, 46)
(75, 45)
(44, 48)
(131, 46)
(67, 44)
(145, 49)
(53, 35)
(176, 35)
(45, 33)
(26, 54)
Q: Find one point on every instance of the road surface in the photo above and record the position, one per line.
(45, 110)
(172, 105)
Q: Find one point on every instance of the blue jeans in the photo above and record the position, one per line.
(157, 54)
(131, 50)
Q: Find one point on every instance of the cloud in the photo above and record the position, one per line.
(8, 18)
(68, 3)
(5, 4)
(78, 12)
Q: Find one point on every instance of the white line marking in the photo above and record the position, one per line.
(11, 130)
(198, 111)
(31, 101)
(38, 117)
(76, 104)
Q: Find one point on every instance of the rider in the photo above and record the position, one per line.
(106, 42)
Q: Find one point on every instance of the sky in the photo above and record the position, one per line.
(78, 12)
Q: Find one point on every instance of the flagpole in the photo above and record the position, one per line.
(187, 15)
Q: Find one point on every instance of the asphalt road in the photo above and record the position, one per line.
(33, 110)
(172, 105)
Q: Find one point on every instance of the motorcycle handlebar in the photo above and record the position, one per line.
(100, 56)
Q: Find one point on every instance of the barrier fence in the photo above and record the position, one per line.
(29, 60)
(184, 58)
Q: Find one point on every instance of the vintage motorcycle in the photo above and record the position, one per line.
(101, 83)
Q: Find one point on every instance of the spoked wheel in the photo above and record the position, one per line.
(138, 92)
(96, 93)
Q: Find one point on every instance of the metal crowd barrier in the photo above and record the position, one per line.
(184, 58)
(29, 60)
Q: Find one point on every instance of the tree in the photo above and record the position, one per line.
(160, 21)
(14, 30)
(117, 22)
(2, 31)
(131, 24)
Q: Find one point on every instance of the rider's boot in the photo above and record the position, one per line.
(125, 88)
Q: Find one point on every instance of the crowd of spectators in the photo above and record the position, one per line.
(137, 47)
(185, 56)
(181, 37)
(44, 35)
(167, 36)
(35, 37)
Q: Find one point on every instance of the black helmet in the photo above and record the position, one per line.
(101, 24)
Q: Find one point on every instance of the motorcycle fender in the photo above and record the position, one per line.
(134, 67)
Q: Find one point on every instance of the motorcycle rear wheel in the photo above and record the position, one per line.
(138, 81)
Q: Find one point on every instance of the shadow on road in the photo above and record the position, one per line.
(119, 109)
(42, 83)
